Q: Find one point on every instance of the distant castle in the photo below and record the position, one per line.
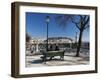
(37, 44)
(53, 40)
(59, 40)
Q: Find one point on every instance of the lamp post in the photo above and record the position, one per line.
(47, 23)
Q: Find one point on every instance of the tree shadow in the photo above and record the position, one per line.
(38, 61)
(69, 55)
(86, 58)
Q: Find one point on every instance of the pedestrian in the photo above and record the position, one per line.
(56, 47)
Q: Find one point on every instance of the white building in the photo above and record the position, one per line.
(37, 44)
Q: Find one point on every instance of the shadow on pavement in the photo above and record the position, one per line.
(36, 61)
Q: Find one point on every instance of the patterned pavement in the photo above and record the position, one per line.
(69, 59)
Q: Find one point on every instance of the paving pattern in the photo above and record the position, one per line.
(69, 59)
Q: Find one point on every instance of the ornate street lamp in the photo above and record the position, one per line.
(47, 23)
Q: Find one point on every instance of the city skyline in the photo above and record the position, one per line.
(36, 27)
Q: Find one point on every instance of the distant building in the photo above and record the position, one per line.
(52, 40)
(37, 44)
(85, 45)
(59, 40)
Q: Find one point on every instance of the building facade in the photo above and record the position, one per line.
(35, 45)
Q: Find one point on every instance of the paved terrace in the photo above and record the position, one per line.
(69, 59)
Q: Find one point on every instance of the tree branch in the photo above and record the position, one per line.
(77, 26)
(86, 21)
(76, 23)
(86, 26)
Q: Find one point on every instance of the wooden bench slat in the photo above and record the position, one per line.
(52, 54)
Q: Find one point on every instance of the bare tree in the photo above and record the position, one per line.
(80, 21)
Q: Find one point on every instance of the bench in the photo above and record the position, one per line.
(51, 54)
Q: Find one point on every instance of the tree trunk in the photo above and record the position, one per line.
(79, 43)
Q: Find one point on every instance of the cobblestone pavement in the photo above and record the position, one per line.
(69, 59)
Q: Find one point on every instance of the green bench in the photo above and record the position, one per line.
(51, 54)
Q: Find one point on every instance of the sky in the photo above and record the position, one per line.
(36, 27)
